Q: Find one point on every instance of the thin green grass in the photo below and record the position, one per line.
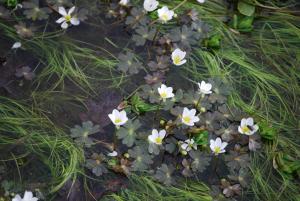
(23, 129)
(144, 188)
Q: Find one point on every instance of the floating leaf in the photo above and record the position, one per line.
(164, 174)
(96, 164)
(81, 133)
(187, 171)
(143, 34)
(34, 12)
(230, 190)
(154, 148)
(142, 158)
(200, 160)
(128, 63)
(128, 132)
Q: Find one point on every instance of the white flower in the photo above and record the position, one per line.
(112, 154)
(217, 146)
(178, 57)
(247, 126)
(28, 196)
(118, 118)
(188, 145)
(165, 92)
(189, 117)
(16, 45)
(150, 5)
(205, 88)
(201, 1)
(67, 17)
(124, 2)
(157, 137)
(165, 14)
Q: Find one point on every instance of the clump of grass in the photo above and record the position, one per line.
(144, 188)
(62, 61)
(271, 185)
(21, 128)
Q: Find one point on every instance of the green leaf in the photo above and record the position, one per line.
(128, 132)
(266, 131)
(245, 8)
(140, 106)
(142, 158)
(11, 3)
(201, 138)
(214, 41)
(245, 24)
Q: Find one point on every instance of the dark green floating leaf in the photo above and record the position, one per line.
(128, 132)
(142, 158)
(164, 174)
(81, 134)
(200, 161)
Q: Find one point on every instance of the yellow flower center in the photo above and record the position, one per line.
(187, 119)
(245, 129)
(164, 17)
(164, 95)
(98, 162)
(217, 150)
(68, 18)
(118, 120)
(177, 59)
(158, 140)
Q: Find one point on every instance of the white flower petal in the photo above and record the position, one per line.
(112, 154)
(17, 198)
(162, 134)
(250, 121)
(62, 11)
(64, 25)
(16, 45)
(75, 21)
(60, 20)
(71, 10)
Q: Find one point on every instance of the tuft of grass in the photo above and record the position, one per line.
(144, 188)
(23, 129)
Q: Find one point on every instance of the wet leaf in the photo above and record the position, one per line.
(156, 77)
(96, 164)
(171, 144)
(129, 63)
(34, 12)
(24, 31)
(128, 132)
(187, 171)
(164, 174)
(142, 158)
(143, 34)
(81, 133)
(154, 148)
(25, 72)
(161, 64)
(200, 160)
